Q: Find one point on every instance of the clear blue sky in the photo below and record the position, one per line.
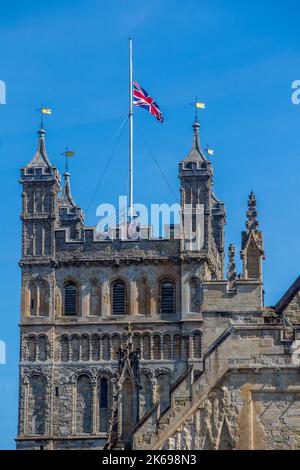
(238, 57)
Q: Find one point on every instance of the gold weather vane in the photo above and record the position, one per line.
(43, 110)
(68, 153)
(197, 105)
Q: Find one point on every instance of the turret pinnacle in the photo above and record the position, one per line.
(196, 153)
(231, 273)
(252, 252)
(252, 222)
(66, 197)
(40, 159)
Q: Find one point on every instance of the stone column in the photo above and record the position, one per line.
(154, 298)
(133, 296)
(191, 347)
(90, 349)
(25, 406)
(105, 307)
(155, 396)
(95, 408)
(84, 298)
(37, 307)
(73, 424)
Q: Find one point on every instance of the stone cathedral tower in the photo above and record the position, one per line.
(144, 343)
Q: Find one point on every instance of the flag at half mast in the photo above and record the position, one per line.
(142, 99)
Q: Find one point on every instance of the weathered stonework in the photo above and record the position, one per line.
(143, 343)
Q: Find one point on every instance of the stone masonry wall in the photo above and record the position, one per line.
(292, 311)
(248, 410)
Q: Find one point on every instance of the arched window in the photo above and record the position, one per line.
(70, 299)
(84, 405)
(105, 347)
(95, 297)
(177, 346)
(85, 347)
(167, 350)
(31, 348)
(37, 405)
(146, 346)
(95, 348)
(64, 349)
(137, 342)
(116, 345)
(33, 293)
(185, 347)
(44, 295)
(103, 404)
(167, 297)
(163, 381)
(145, 394)
(156, 346)
(129, 409)
(75, 345)
(119, 298)
(42, 347)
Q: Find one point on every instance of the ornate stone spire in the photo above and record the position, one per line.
(252, 250)
(71, 215)
(252, 222)
(40, 159)
(66, 197)
(196, 153)
(231, 273)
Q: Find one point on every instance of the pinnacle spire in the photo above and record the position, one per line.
(40, 158)
(252, 221)
(231, 273)
(196, 153)
(66, 197)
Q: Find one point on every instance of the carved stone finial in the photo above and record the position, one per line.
(252, 222)
(252, 251)
(231, 274)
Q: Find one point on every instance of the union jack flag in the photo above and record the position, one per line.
(142, 99)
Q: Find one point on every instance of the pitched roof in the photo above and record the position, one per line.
(66, 197)
(196, 154)
(40, 159)
(288, 296)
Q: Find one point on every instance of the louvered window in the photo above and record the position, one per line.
(119, 298)
(167, 296)
(70, 299)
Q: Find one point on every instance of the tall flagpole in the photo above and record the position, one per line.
(130, 133)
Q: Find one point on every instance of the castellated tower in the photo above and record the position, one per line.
(196, 177)
(40, 204)
(144, 343)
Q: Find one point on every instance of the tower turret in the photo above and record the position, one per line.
(41, 184)
(203, 214)
(70, 214)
